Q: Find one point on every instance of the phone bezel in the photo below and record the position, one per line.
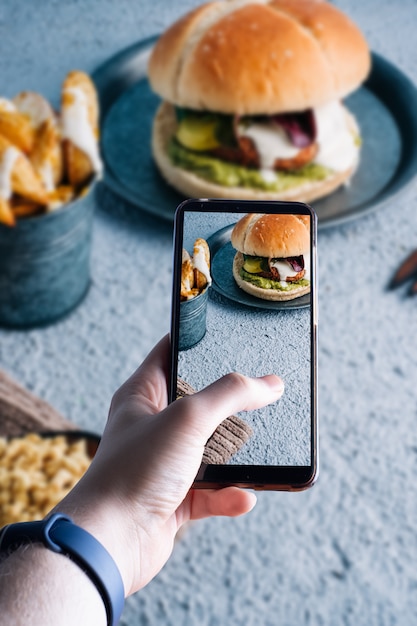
(260, 477)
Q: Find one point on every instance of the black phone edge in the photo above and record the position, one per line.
(280, 478)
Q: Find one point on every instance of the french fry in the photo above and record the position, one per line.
(46, 156)
(35, 107)
(24, 208)
(26, 183)
(6, 214)
(18, 129)
(8, 157)
(23, 178)
(201, 262)
(187, 275)
(78, 165)
(79, 98)
(6, 105)
(60, 196)
(191, 294)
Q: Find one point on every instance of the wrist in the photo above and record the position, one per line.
(32, 590)
(108, 525)
(59, 534)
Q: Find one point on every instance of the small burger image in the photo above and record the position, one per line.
(273, 255)
(253, 95)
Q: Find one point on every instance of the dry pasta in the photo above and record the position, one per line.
(36, 473)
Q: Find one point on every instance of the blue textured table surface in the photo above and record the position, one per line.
(344, 552)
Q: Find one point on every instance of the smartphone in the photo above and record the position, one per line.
(244, 299)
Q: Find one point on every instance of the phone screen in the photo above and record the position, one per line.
(244, 301)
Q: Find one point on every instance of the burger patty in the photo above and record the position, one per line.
(306, 155)
(245, 153)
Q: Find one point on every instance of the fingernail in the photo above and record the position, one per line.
(276, 383)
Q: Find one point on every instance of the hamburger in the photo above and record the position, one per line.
(252, 99)
(272, 261)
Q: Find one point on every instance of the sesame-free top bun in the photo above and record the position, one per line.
(193, 186)
(259, 57)
(273, 236)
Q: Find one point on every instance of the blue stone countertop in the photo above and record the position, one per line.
(344, 552)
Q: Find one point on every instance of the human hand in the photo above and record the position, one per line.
(137, 492)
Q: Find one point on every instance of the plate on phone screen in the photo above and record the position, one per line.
(385, 108)
(222, 255)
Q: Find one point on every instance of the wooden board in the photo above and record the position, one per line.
(21, 411)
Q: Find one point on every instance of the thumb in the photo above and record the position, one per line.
(206, 409)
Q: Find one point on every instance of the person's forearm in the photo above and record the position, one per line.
(38, 586)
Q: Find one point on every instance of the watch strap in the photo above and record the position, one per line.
(60, 534)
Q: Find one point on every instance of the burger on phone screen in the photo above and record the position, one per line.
(252, 99)
(272, 261)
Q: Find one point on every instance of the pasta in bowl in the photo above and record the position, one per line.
(38, 469)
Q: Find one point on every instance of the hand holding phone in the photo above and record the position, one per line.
(244, 299)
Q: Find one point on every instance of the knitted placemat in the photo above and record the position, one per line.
(21, 411)
(228, 437)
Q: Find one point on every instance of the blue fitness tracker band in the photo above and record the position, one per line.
(60, 534)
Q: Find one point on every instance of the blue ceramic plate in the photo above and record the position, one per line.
(385, 107)
(222, 254)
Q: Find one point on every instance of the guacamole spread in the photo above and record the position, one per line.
(232, 175)
(267, 283)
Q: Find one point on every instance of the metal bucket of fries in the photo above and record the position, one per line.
(192, 320)
(195, 283)
(45, 264)
(49, 162)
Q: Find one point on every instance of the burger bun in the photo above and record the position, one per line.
(250, 57)
(275, 236)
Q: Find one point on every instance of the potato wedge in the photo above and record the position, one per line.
(23, 178)
(25, 208)
(80, 128)
(6, 214)
(187, 275)
(77, 164)
(46, 156)
(201, 263)
(18, 129)
(35, 107)
(6, 105)
(26, 183)
(60, 196)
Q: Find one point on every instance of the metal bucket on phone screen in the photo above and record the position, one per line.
(192, 327)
